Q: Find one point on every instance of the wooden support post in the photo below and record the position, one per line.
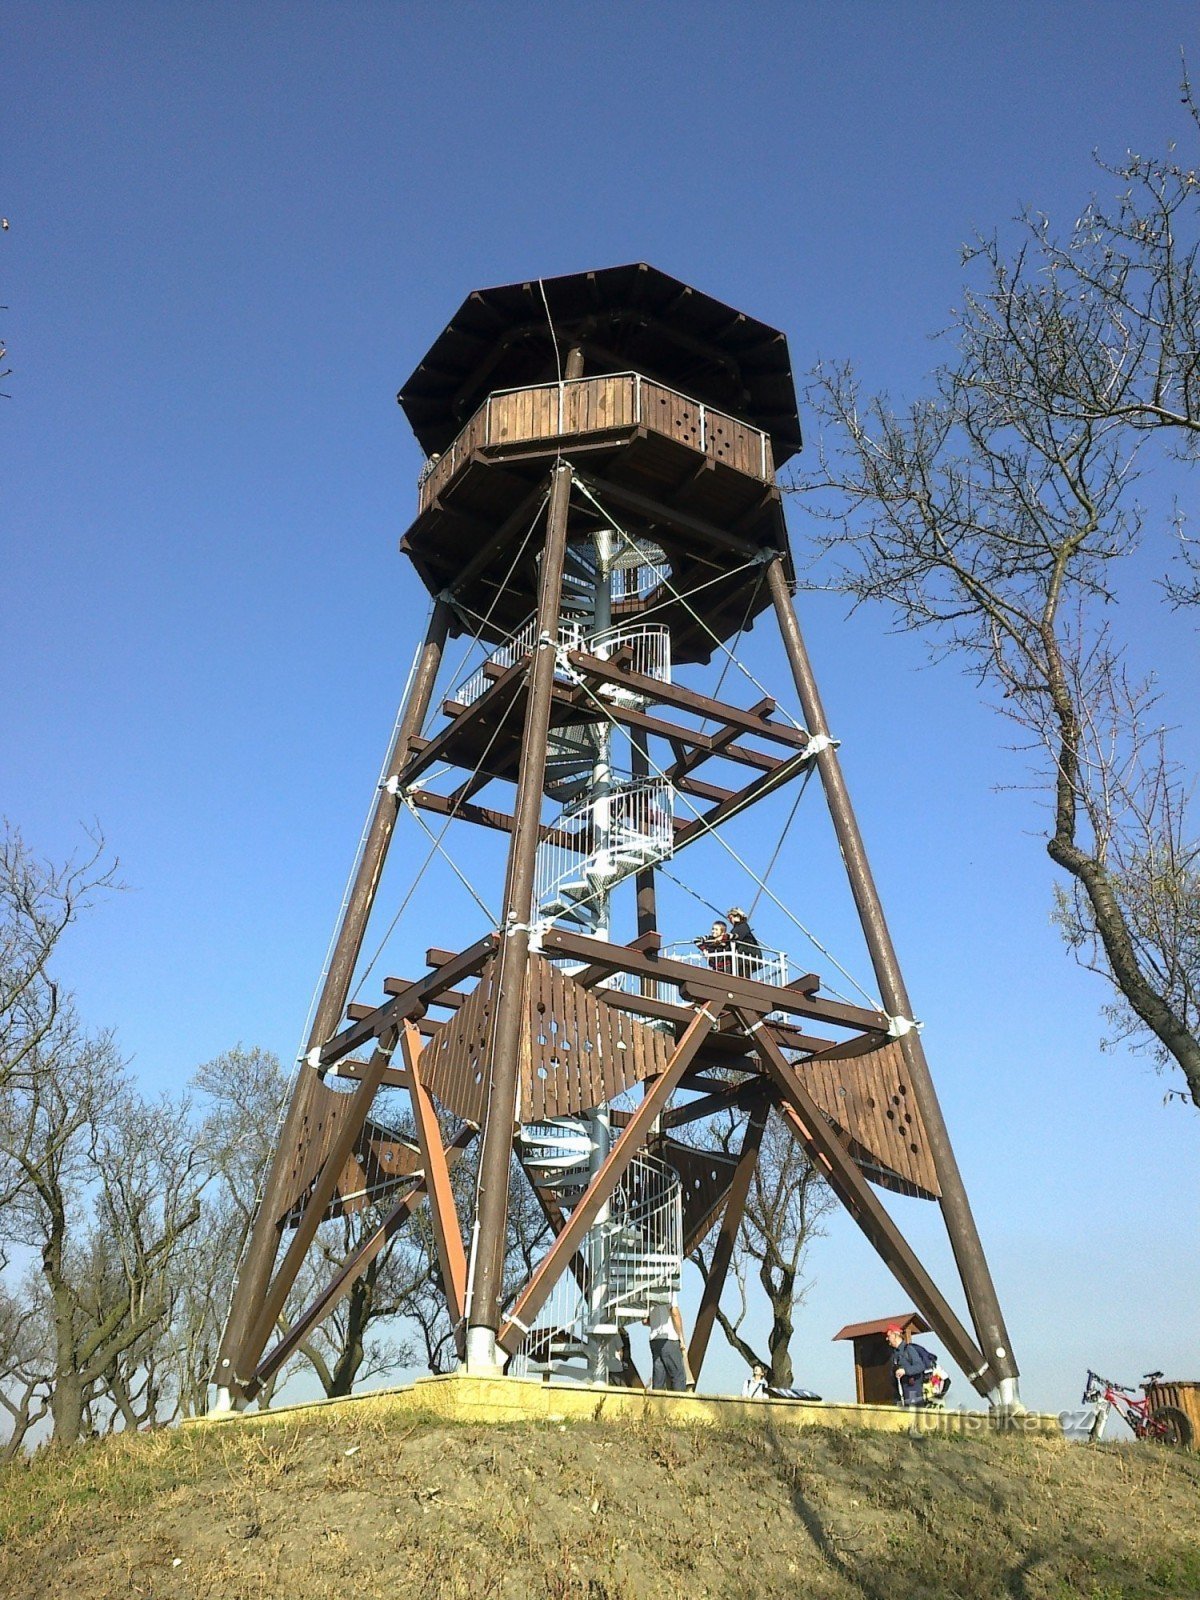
(447, 1232)
(263, 1245)
(845, 1177)
(352, 1269)
(629, 1141)
(486, 1277)
(323, 1191)
(972, 1264)
(731, 1222)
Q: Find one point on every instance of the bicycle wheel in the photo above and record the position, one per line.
(1169, 1425)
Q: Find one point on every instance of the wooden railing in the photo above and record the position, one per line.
(611, 403)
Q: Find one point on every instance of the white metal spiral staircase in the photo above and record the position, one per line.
(630, 1260)
(611, 826)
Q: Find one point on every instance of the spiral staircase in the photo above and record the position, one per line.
(630, 1260)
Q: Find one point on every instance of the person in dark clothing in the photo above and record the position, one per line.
(747, 952)
(911, 1364)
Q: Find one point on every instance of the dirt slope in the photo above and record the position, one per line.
(359, 1507)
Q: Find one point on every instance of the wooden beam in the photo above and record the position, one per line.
(731, 1222)
(447, 1232)
(734, 803)
(630, 1140)
(658, 511)
(513, 523)
(346, 1277)
(323, 1190)
(708, 984)
(823, 1145)
(733, 1097)
(681, 699)
(393, 1078)
(352, 1269)
(499, 697)
(411, 1002)
(452, 999)
(483, 816)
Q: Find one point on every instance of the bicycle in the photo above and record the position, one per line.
(1160, 1424)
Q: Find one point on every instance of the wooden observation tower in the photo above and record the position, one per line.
(599, 509)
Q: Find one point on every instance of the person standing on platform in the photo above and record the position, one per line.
(747, 952)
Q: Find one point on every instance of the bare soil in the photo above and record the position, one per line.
(359, 1506)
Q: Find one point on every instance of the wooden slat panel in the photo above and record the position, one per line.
(871, 1101)
(560, 1074)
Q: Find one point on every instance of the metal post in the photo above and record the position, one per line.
(972, 1265)
(263, 1246)
(647, 898)
(484, 1292)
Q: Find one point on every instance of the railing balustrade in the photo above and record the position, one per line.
(611, 837)
(598, 404)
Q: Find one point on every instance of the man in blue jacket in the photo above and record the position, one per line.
(911, 1363)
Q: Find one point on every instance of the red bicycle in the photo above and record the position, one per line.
(1161, 1424)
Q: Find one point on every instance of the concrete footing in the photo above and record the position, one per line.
(460, 1397)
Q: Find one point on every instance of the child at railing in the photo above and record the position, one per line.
(717, 946)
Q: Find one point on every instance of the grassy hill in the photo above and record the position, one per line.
(362, 1504)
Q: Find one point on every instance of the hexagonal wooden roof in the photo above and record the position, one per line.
(626, 318)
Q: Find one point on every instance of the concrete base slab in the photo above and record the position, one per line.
(460, 1397)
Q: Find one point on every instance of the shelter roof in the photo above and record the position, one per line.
(626, 318)
(859, 1330)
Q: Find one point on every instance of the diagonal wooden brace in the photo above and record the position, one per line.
(845, 1178)
(731, 1222)
(447, 1231)
(318, 1203)
(631, 1139)
(351, 1270)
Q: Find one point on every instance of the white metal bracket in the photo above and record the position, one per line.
(899, 1026)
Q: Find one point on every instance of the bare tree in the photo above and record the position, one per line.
(785, 1208)
(993, 516)
(26, 1370)
(360, 1338)
(38, 902)
(104, 1188)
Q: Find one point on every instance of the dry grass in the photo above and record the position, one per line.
(327, 1507)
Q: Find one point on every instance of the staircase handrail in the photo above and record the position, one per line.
(518, 644)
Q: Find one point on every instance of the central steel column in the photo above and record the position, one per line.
(485, 1287)
(972, 1265)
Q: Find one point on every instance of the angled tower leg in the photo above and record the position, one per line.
(977, 1282)
(485, 1281)
(731, 1222)
(254, 1272)
(275, 1296)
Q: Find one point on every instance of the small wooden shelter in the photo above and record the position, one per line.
(873, 1382)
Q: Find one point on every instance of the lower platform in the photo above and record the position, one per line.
(459, 1398)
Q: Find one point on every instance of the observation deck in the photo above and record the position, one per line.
(584, 411)
(684, 410)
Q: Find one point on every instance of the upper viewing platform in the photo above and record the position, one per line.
(673, 411)
(582, 410)
(624, 319)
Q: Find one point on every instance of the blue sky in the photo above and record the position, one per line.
(234, 231)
